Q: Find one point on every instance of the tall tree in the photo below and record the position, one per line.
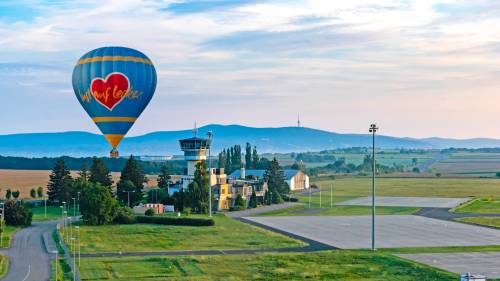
(255, 157)
(133, 172)
(253, 200)
(275, 179)
(84, 172)
(248, 156)
(58, 188)
(164, 177)
(99, 173)
(97, 205)
(198, 189)
(228, 161)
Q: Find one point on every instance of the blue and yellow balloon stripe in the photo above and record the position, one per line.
(113, 58)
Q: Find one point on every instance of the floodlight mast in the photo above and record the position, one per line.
(373, 129)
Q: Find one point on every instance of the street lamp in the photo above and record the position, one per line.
(373, 129)
(210, 136)
(79, 243)
(128, 195)
(78, 199)
(73, 241)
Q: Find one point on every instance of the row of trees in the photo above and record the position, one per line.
(231, 159)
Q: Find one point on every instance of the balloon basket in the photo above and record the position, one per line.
(113, 153)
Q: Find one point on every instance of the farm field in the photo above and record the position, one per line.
(469, 163)
(25, 180)
(334, 265)
(224, 235)
(418, 187)
(480, 205)
(388, 158)
(487, 221)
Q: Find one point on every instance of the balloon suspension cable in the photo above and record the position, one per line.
(113, 153)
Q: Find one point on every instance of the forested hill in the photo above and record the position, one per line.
(285, 139)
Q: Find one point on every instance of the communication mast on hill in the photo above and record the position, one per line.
(298, 120)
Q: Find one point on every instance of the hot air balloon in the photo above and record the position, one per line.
(114, 85)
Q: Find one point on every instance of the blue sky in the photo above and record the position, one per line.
(418, 68)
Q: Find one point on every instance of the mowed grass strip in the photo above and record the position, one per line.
(332, 265)
(7, 235)
(4, 265)
(487, 221)
(480, 205)
(340, 211)
(224, 235)
(418, 187)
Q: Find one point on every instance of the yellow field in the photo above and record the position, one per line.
(25, 180)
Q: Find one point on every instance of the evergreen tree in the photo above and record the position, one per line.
(58, 188)
(222, 159)
(84, 172)
(275, 179)
(164, 177)
(99, 173)
(255, 158)
(228, 161)
(133, 172)
(253, 200)
(16, 194)
(8, 194)
(198, 189)
(248, 156)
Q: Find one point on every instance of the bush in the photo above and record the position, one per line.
(175, 221)
(149, 212)
(17, 214)
(124, 215)
(236, 208)
(186, 211)
(498, 174)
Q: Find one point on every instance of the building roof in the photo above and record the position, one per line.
(288, 173)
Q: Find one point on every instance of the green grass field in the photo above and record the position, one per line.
(4, 265)
(480, 205)
(334, 265)
(53, 213)
(225, 234)
(488, 221)
(419, 187)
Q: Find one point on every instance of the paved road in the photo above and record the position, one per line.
(28, 258)
(353, 232)
(484, 263)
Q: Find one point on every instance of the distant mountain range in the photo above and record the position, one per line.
(285, 139)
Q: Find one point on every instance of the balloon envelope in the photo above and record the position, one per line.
(114, 85)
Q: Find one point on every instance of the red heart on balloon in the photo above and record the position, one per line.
(110, 91)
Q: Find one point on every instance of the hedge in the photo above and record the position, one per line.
(175, 221)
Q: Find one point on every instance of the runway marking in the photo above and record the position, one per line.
(29, 272)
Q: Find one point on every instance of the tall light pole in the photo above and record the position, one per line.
(78, 199)
(210, 136)
(373, 129)
(128, 195)
(79, 245)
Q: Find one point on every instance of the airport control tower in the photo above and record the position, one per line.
(195, 150)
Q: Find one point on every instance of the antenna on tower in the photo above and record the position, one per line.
(298, 120)
(195, 130)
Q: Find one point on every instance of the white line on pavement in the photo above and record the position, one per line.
(29, 272)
